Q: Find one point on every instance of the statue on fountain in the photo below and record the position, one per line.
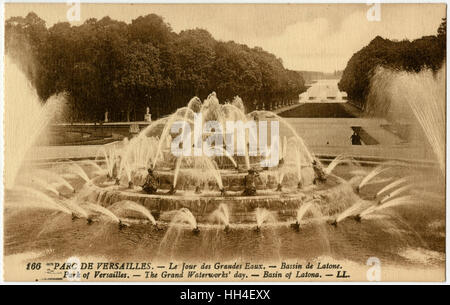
(357, 217)
(250, 183)
(172, 190)
(198, 190)
(122, 225)
(279, 188)
(296, 226)
(319, 172)
(151, 183)
(334, 222)
(196, 230)
(223, 192)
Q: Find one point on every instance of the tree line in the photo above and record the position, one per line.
(109, 65)
(413, 56)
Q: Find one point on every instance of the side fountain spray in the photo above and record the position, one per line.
(375, 172)
(262, 216)
(301, 213)
(98, 209)
(393, 185)
(222, 216)
(421, 96)
(127, 205)
(184, 216)
(404, 200)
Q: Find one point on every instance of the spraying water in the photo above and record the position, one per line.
(303, 209)
(221, 150)
(338, 160)
(184, 216)
(43, 184)
(25, 118)
(268, 114)
(392, 203)
(101, 210)
(284, 148)
(75, 208)
(177, 170)
(30, 197)
(280, 177)
(350, 211)
(98, 168)
(393, 185)
(221, 214)
(49, 176)
(110, 157)
(375, 172)
(263, 216)
(395, 193)
(393, 92)
(166, 131)
(211, 167)
(79, 171)
(238, 103)
(133, 206)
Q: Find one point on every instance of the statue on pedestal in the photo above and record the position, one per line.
(148, 116)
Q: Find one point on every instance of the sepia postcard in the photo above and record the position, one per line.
(224, 142)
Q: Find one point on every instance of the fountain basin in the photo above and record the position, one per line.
(331, 198)
(189, 179)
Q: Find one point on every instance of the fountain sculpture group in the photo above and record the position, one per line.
(142, 175)
(230, 189)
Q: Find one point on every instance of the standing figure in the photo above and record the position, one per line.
(356, 138)
(151, 183)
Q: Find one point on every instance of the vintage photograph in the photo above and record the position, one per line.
(224, 142)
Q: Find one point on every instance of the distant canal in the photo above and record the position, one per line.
(318, 110)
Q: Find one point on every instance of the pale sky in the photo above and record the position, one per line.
(314, 37)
